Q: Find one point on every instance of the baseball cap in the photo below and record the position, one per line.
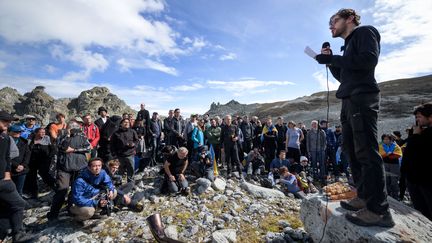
(15, 128)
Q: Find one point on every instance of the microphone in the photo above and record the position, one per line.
(326, 45)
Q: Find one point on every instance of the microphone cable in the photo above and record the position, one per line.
(325, 182)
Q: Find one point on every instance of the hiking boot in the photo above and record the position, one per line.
(354, 204)
(365, 217)
(186, 192)
(248, 177)
(52, 216)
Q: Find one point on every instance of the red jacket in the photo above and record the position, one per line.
(92, 133)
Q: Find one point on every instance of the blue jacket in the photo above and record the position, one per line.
(27, 131)
(291, 183)
(87, 186)
(197, 137)
(277, 163)
(331, 138)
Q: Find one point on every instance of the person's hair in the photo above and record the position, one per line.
(345, 13)
(385, 135)
(182, 150)
(94, 159)
(38, 129)
(113, 162)
(88, 114)
(425, 109)
(176, 109)
(314, 122)
(292, 123)
(282, 151)
(202, 127)
(125, 114)
(283, 170)
(124, 120)
(73, 125)
(155, 113)
(60, 115)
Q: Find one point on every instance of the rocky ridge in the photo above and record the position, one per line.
(42, 105)
(398, 97)
(215, 212)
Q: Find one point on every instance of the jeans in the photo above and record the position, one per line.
(19, 181)
(317, 159)
(232, 158)
(359, 116)
(64, 180)
(177, 185)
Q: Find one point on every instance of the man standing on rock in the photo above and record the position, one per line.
(359, 92)
(228, 141)
(103, 113)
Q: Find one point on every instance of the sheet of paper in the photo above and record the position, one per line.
(310, 52)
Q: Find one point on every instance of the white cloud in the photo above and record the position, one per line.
(191, 87)
(245, 87)
(50, 69)
(405, 28)
(229, 56)
(127, 65)
(321, 77)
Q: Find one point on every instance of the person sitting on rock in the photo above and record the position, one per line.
(289, 180)
(203, 166)
(254, 164)
(275, 166)
(175, 167)
(391, 152)
(122, 189)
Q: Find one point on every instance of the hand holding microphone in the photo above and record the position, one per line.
(326, 54)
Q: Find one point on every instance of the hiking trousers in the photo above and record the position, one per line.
(359, 117)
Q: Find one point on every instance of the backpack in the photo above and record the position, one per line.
(267, 183)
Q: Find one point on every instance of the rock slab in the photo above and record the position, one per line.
(224, 236)
(411, 226)
(261, 192)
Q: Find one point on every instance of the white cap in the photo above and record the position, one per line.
(303, 158)
(29, 117)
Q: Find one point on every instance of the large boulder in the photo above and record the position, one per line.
(219, 184)
(261, 192)
(411, 226)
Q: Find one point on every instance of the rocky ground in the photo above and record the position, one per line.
(224, 211)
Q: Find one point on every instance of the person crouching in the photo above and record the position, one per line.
(87, 188)
(203, 167)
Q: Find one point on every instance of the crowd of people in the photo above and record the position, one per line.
(91, 165)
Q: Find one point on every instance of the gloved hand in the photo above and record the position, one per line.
(324, 59)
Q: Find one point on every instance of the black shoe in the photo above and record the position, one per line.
(23, 237)
(52, 216)
(354, 204)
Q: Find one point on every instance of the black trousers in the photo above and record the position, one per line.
(359, 127)
(12, 207)
(421, 197)
(247, 145)
(232, 157)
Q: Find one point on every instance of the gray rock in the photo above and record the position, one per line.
(74, 236)
(313, 214)
(261, 192)
(208, 219)
(224, 236)
(171, 232)
(191, 231)
(219, 184)
(203, 185)
(284, 224)
(227, 217)
(258, 208)
(275, 237)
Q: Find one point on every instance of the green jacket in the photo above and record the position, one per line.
(213, 135)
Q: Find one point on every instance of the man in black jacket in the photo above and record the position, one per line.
(156, 134)
(144, 115)
(103, 113)
(20, 164)
(248, 134)
(359, 92)
(123, 145)
(281, 135)
(416, 162)
(72, 158)
(228, 140)
(11, 204)
(167, 127)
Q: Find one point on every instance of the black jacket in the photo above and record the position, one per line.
(23, 158)
(281, 135)
(227, 134)
(355, 69)
(153, 127)
(123, 142)
(144, 115)
(416, 160)
(99, 122)
(77, 160)
(247, 130)
(5, 162)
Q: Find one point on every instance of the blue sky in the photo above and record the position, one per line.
(188, 54)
